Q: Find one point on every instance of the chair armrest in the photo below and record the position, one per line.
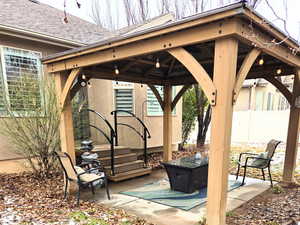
(246, 153)
(92, 162)
(90, 170)
(252, 157)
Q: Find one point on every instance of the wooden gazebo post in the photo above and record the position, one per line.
(66, 122)
(293, 134)
(167, 123)
(225, 61)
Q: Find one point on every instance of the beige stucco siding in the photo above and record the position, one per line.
(6, 150)
(101, 99)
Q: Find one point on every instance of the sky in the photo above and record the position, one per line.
(293, 15)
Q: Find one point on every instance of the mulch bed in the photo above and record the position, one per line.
(27, 200)
(269, 209)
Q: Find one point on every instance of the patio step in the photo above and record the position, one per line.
(128, 166)
(119, 159)
(104, 151)
(130, 174)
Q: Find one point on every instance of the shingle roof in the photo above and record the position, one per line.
(44, 19)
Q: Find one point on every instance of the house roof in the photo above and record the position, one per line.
(28, 15)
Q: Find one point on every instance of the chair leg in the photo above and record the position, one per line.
(66, 188)
(78, 194)
(93, 188)
(106, 187)
(270, 176)
(238, 171)
(263, 174)
(245, 169)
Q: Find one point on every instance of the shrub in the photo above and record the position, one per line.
(32, 122)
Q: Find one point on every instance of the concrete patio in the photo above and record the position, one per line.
(164, 215)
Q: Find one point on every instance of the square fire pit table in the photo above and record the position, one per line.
(187, 174)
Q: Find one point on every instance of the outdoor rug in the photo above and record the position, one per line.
(161, 193)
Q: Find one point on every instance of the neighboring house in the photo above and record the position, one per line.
(30, 30)
(260, 95)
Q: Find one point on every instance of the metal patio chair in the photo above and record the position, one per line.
(258, 161)
(82, 174)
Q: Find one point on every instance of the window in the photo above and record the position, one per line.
(283, 103)
(259, 102)
(19, 70)
(153, 106)
(124, 99)
(270, 101)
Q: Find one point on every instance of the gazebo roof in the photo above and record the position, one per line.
(136, 54)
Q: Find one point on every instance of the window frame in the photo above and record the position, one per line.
(160, 114)
(129, 87)
(40, 75)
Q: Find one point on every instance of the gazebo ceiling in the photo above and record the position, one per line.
(135, 55)
(142, 69)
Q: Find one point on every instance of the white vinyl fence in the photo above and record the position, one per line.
(254, 127)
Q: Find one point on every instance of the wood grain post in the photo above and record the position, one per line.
(66, 121)
(167, 123)
(293, 135)
(225, 61)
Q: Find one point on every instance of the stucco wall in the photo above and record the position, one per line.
(101, 99)
(6, 150)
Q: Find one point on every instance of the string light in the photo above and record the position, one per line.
(83, 77)
(261, 61)
(157, 64)
(116, 70)
(278, 71)
(83, 83)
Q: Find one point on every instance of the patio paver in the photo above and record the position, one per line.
(165, 215)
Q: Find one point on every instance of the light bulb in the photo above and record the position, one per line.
(83, 83)
(278, 71)
(157, 64)
(261, 61)
(116, 70)
(83, 77)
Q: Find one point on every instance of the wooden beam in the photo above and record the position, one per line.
(190, 36)
(127, 66)
(244, 70)
(280, 86)
(259, 39)
(69, 82)
(293, 135)
(66, 121)
(128, 77)
(167, 124)
(179, 95)
(76, 87)
(226, 51)
(148, 62)
(153, 34)
(198, 72)
(171, 67)
(157, 95)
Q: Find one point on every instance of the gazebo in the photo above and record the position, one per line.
(218, 50)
